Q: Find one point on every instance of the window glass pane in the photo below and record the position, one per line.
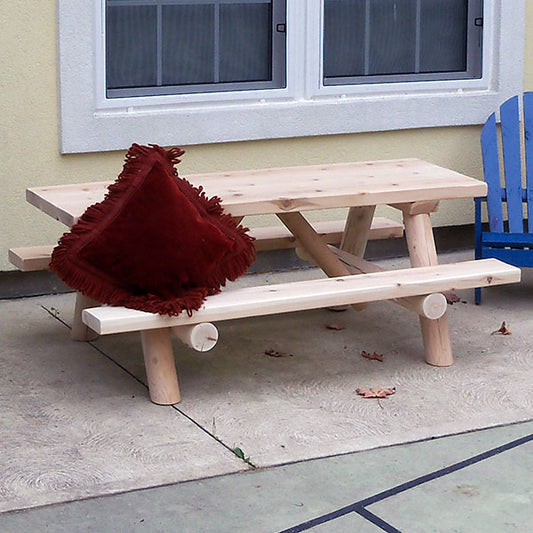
(245, 42)
(131, 46)
(443, 35)
(156, 47)
(392, 36)
(344, 38)
(188, 46)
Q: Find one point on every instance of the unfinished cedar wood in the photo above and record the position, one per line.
(31, 258)
(331, 231)
(412, 186)
(311, 294)
(273, 299)
(431, 305)
(34, 258)
(304, 188)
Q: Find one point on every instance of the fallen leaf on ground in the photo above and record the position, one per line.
(274, 353)
(336, 327)
(374, 356)
(452, 298)
(504, 330)
(376, 392)
(338, 308)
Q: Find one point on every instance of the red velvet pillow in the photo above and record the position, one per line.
(155, 243)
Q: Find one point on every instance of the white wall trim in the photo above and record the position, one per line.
(89, 122)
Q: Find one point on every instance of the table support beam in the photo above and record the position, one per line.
(355, 235)
(315, 250)
(79, 331)
(312, 243)
(417, 208)
(429, 305)
(422, 252)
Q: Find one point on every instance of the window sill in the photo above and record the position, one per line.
(184, 125)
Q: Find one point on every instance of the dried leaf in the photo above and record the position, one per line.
(335, 326)
(374, 356)
(376, 392)
(275, 353)
(504, 330)
(452, 298)
(338, 308)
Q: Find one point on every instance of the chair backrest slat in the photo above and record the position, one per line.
(528, 134)
(512, 162)
(491, 170)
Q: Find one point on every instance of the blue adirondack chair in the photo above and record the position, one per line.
(510, 235)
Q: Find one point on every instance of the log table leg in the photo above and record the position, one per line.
(160, 366)
(80, 331)
(355, 235)
(422, 252)
(356, 230)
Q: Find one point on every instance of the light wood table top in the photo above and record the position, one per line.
(291, 189)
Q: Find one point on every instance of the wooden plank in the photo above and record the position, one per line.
(312, 294)
(316, 248)
(304, 188)
(429, 306)
(510, 120)
(528, 135)
(279, 237)
(491, 171)
(66, 203)
(31, 258)
(417, 208)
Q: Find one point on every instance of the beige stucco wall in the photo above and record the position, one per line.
(29, 135)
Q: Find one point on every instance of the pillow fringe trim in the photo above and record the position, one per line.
(88, 281)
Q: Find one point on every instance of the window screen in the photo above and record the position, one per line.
(371, 41)
(188, 46)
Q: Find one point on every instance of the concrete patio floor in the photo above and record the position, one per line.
(263, 443)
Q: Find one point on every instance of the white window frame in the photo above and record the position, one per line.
(315, 63)
(103, 102)
(91, 122)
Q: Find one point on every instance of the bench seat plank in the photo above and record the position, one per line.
(33, 258)
(313, 294)
(279, 237)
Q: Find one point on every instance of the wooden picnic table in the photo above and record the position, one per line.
(413, 186)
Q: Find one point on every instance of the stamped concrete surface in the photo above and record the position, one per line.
(73, 424)
(325, 495)
(78, 421)
(304, 404)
